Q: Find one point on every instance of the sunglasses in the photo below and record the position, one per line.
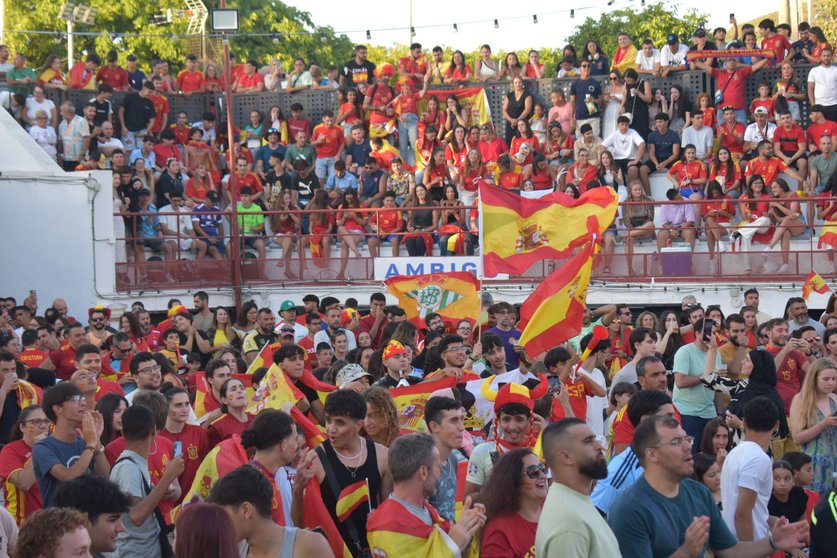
(535, 471)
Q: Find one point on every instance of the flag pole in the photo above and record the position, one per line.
(481, 274)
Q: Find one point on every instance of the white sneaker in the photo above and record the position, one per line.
(721, 247)
(767, 249)
(783, 269)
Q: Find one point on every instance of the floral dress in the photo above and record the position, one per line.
(823, 452)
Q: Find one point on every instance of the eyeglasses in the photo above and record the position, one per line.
(97, 319)
(585, 65)
(75, 399)
(535, 471)
(37, 422)
(150, 369)
(457, 349)
(678, 442)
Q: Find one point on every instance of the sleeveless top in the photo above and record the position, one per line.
(287, 550)
(344, 478)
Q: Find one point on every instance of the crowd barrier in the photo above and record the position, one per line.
(318, 101)
(639, 262)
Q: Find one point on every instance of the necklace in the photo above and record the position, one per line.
(352, 470)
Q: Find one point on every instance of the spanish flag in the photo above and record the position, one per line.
(265, 357)
(814, 283)
(517, 232)
(828, 234)
(394, 532)
(316, 516)
(308, 379)
(314, 433)
(454, 296)
(225, 457)
(553, 313)
(410, 401)
(351, 498)
(274, 391)
(202, 390)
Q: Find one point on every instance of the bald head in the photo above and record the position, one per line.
(558, 436)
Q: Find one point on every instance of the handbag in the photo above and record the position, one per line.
(630, 114)
(719, 94)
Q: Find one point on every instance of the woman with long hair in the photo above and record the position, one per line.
(637, 219)
(749, 313)
(755, 207)
(726, 173)
(111, 406)
(593, 53)
(130, 325)
(486, 68)
(433, 116)
(221, 334)
(235, 418)
(614, 95)
(678, 109)
(350, 113)
(321, 221)
(814, 56)
(513, 68)
(670, 339)
(246, 318)
(213, 80)
(542, 175)
(436, 174)
(381, 422)
(285, 226)
(716, 440)
(708, 473)
(23, 497)
(516, 106)
(714, 313)
(609, 173)
(340, 343)
(455, 115)
(759, 371)
(786, 214)
(717, 216)
(422, 222)
(559, 145)
(703, 104)
(524, 136)
(204, 529)
(459, 71)
(50, 75)
(648, 320)
(813, 421)
(514, 495)
(351, 227)
(455, 152)
(452, 218)
(473, 170)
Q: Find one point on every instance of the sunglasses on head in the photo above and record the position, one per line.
(535, 471)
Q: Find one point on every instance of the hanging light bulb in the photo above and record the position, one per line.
(496, 24)
(412, 31)
(368, 35)
(276, 38)
(323, 37)
(455, 28)
(572, 13)
(535, 18)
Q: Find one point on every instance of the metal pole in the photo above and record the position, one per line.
(235, 246)
(2, 22)
(69, 43)
(410, 29)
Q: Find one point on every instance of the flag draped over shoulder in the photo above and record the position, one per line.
(814, 283)
(472, 99)
(518, 232)
(394, 532)
(274, 391)
(410, 401)
(265, 357)
(225, 457)
(553, 312)
(454, 296)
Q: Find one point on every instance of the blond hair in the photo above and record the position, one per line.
(808, 391)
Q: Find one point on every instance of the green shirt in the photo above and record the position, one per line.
(250, 219)
(697, 400)
(22, 88)
(824, 167)
(307, 153)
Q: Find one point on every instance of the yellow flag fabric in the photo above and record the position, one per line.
(273, 392)
(454, 296)
(518, 232)
(394, 532)
(814, 283)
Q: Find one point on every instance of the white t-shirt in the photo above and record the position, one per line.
(824, 79)
(747, 466)
(668, 58)
(701, 139)
(180, 224)
(647, 62)
(596, 406)
(33, 106)
(754, 134)
(623, 146)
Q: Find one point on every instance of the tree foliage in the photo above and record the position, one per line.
(655, 22)
(295, 33)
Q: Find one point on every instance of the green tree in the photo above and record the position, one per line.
(295, 33)
(655, 22)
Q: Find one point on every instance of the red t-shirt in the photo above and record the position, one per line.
(491, 150)
(163, 153)
(296, 125)
(581, 180)
(789, 374)
(194, 447)
(693, 170)
(722, 171)
(14, 457)
(768, 169)
(189, 82)
(509, 535)
(250, 179)
(224, 427)
(817, 131)
(510, 180)
(32, 358)
(161, 108)
(366, 324)
(64, 359)
(409, 65)
(108, 386)
(578, 400)
(779, 44)
(181, 133)
(623, 429)
(162, 451)
(249, 82)
(789, 140)
(728, 140)
(117, 78)
(333, 140)
(734, 92)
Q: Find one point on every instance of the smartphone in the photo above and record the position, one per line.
(731, 16)
(33, 292)
(554, 383)
(178, 449)
(708, 326)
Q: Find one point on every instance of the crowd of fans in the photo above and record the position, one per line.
(677, 434)
(343, 181)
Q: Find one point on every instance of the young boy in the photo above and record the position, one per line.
(181, 129)
(386, 224)
(764, 100)
(803, 475)
(251, 225)
(298, 123)
(171, 348)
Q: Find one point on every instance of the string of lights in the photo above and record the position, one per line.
(276, 36)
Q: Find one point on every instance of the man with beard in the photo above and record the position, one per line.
(666, 513)
(98, 330)
(63, 359)
(796, 313)
(569, 524)
(791, 365)
(204, 317)
(434, 322)
(262, 335)
(149, 332)
(452, 351)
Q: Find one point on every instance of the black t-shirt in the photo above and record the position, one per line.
(103, 110)
(389, 382)
(354, 72)
(305, 188)
(824, 530)
(793, 509)
(283, 181)
(131, 192)
(167, 184)
(138, 112)
(708, 46)
(11, 411)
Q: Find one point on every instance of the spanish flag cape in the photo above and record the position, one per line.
(28, 394)
(394, 532)
(225, 457)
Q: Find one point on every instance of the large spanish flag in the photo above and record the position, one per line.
(274, 391)
(316, 516)
(828, 234)
(518, 232)
(410, 401)
(814, 283)
(454, 296)
(223, 458)
(553, 313)
(394, 532)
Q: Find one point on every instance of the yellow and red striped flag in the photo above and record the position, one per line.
(351, 498)
(410, 401)
(553, 313)
(454, 296)
(265, 357)
(517, 232)
(393, 531)
(274, 391)
(315, 515)
(314, 433)
(814, 283)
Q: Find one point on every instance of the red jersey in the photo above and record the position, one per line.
(296, 125)
(64, 359)
(108, 386)
(491, 150)
(755, 208)
(225, 426)
(116, 78)
(768, 103)
(723, 171)
(109, 373)
(454, 157)
(310, 351)
(728, 137)
(197, 187)
(334, 140)
(768, 169)
(388, 220)
(623, 429)
(32, 358)
(459, 73)
(161, 108)
(162, 451)
(541, 179)
(789, 140)
(278, 513)
(350, 110)
(194, 447)
(581, 178)
(366, 324)
(248, 82)
(410, 65)
(815, 132)
(163, 153)
(250, 179)
(509, 535)
(14, 457)
(81, 78)
(779, 44)
(534, 145)
(181, 133)
(823, 204)
(717, 205)
(190, 82)
(510, 180)
(789, 374)
(578, 400)
(683, 170)
(734, 92)
(379, 95)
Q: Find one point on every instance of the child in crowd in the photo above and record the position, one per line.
(708, 473)
(764, 100)
(620, 393)
(787, 499)
(803, 476)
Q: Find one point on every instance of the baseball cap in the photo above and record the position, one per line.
(287, 305)
(699, 32)
(760, 110)
(212, 195)
(672, 39)
(131, 58)
(286, 329)
(349, 374)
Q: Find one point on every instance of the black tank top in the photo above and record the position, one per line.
(368, 471)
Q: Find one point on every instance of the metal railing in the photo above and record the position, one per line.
(623, 258)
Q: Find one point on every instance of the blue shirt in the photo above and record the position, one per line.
(348, 181)
(581, 88)
(663, 143)
(359, 152)
(507, 336)
(622, 472)
(136, 79)
(266, 151)
(648, 524)
(371, 184)
(150, 223)
(208, 219)
(50, 452)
